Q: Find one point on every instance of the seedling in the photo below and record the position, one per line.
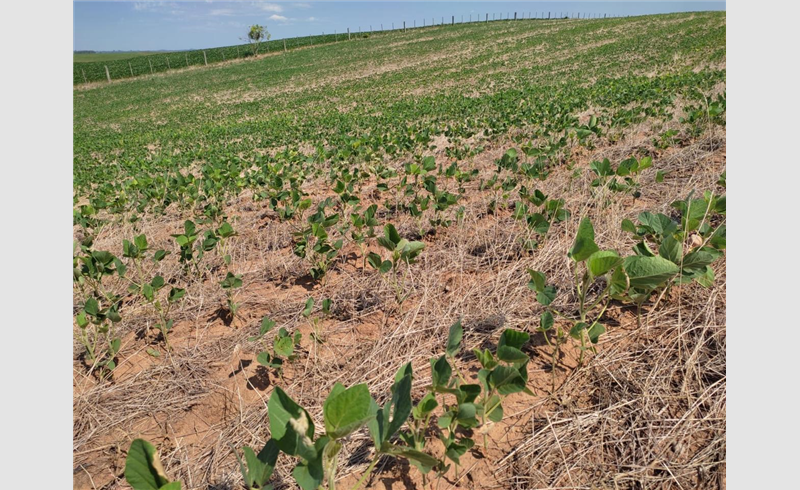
(590, 265)
(283, 346)
(230, 284)
(96, 334)
(312, 243)
(402, 251)
(363, 228)
(315, 320)
(150, 292)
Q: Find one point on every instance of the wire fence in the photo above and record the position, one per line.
(106, 71)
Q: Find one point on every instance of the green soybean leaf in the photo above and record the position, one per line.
(600, 262)
(400, 405)
(91, 307)
(619, 282)
(309, 307)
(424, 459)
(309, 475)
(537, 282)
(440, 372)
(485, 357)
(494, 409)
(643, 249)
(454, 337)
(546, 321)
(577, 328)
(157, 282)
(347, 410)
(391, 233)
(502, 378)
(176, 294)
(143, 469)
(627, 225)
(649, 272)
(584, 245)
(425, 406)
(267, 324)
(511, 354)
(290, 426)
(698, 259)
(671, 249)
(659, 223)
(284, 346)
(595, 331)
(513, 338)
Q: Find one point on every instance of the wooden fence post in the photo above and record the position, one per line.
(107, 74)
(84, 75)
(129, 66)
(223, 56)
(284, 43)
(151, 66)
(186, 57)
(487, 17)
(204, 58)
(404, 26)
(453, 22)
(515, 16)
(168, 67)
(348, 33)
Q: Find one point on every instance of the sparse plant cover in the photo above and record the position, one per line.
(402, 252)
(437, 164)
(464, 406)
(284, 346)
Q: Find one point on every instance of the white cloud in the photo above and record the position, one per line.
(271, 7)
(312, 19)
(278, 18)
(222, 12)
(302, 5)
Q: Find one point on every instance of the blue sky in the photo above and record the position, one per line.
(141, 26)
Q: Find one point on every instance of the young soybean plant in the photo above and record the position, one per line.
(363, 228)
(402, 251)
(315, 320)
(100, 343)
(590, 264)
(150, 292)
(229, 285)
(344, 411)
(283, 347)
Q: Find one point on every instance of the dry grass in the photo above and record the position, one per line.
(648, 411)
